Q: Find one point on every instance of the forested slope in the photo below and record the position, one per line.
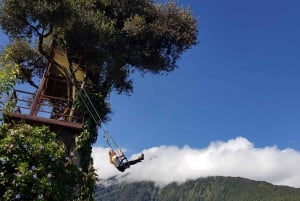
(204, 189)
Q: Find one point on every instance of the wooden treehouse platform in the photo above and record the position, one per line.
(52, 103)
(49, 110)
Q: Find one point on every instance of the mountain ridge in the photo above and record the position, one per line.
(215, 188)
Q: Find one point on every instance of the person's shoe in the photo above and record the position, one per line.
(142, 156)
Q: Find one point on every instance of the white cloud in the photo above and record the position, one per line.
(236, 157)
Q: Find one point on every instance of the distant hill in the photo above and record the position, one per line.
(204, 189)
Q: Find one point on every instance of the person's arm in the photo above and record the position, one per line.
(111, 160)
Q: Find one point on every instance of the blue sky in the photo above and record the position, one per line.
(232, 107)
(242, 79)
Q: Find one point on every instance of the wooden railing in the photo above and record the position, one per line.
(22, 103)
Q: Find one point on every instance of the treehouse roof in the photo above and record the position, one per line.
(61, 58)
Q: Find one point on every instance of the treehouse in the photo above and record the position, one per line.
(53, 103)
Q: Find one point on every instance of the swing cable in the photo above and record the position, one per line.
(91, 109)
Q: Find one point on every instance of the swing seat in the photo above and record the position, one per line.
(123, 164)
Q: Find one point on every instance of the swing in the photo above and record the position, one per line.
(115, 148)
(95, 116)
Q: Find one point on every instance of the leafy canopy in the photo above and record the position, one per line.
(113, 37)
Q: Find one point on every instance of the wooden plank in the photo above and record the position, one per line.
(41, 120)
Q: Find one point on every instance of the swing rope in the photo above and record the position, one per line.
(112, 143)
(91, 109)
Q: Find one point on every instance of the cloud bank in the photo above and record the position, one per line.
(236, 157)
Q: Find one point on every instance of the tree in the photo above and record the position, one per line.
(113, 37)
(109, 39)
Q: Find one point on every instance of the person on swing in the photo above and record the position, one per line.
(121, 162)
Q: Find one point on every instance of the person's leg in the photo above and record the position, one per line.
(134, 161)
(125, 165)
(137, 160)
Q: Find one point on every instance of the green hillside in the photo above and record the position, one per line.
(204, 189)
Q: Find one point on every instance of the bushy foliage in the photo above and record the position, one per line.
(9, 71)
(35, 166)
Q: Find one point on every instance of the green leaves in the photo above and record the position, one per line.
(32, 18)
(8, 71)
(107, 34)
(35, 166)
